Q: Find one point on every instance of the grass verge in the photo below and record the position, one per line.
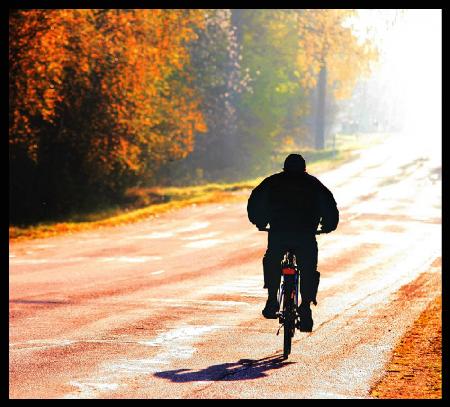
(122, 217)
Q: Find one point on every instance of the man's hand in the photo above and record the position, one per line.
(325, 229)
(261, 226)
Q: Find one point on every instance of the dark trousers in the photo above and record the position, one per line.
(305, 250)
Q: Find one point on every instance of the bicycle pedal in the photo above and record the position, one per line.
(278, 332)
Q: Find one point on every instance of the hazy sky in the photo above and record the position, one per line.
(411, 61)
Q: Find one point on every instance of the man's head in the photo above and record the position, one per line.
(294, 163)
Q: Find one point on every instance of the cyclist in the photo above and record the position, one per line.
(294, 203)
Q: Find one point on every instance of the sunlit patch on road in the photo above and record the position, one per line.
(31, 261)
(154, 235)
(154, 273)
(19, 261)
(173, 345)
(204, 244)
(247, 287)
(89, 388)
(256, 244)
(181, 334)
(127, 259)
(193, 226)
(215, 304)
(201, 236)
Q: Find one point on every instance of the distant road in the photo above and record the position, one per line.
(171, 307)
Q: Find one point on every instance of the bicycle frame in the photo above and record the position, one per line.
(289, 274)
(288, 314)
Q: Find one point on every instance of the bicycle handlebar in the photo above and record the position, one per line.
(318, 232)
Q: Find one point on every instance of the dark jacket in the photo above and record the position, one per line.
(294, 202)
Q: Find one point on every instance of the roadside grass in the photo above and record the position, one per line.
(111, 217)
(151, 202)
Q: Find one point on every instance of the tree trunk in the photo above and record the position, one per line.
(320, 110)
(236, 21)
(230, 152)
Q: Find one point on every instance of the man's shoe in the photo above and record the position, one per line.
(271, 309)
(306, 321)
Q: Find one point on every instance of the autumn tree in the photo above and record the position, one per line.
(101, 99)
(218, 78)
(268, 114)
(331, 58)
(97, 97)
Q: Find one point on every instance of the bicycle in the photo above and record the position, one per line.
(288, 314)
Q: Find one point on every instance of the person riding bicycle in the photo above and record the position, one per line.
(293, 203)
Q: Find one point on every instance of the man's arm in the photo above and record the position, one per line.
(328, 209)
(258, 205)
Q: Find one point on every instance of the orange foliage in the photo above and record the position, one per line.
(325, 40)
(133, 59)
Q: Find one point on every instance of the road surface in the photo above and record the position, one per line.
(171, 307)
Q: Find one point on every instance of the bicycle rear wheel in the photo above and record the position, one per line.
(289, 319)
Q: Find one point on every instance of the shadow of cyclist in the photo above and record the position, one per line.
(244, 369)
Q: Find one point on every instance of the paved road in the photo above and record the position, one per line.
(171, 307)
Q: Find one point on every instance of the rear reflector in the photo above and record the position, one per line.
(288, 271)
